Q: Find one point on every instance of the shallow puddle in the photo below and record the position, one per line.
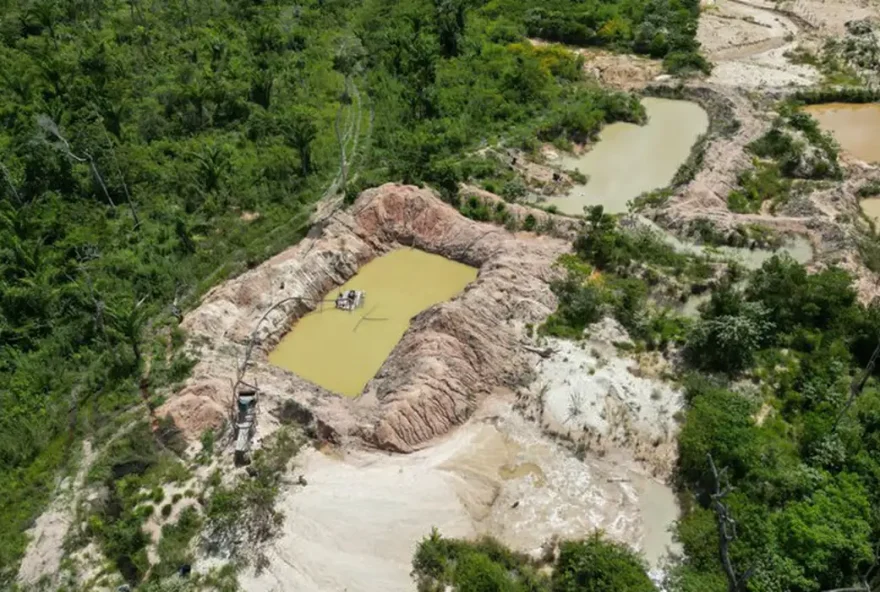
(659, 510)
(856, 127)
(342, 350)
(520, 470)
(629, 159)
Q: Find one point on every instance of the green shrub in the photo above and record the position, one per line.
(681, 62)
(580, 304)
(765, 182)
(514, 189)
(599, 565)
(869, 189)
(174, 544)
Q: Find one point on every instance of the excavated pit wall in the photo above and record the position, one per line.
(451, 357)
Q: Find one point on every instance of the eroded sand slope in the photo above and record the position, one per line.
(451, 357)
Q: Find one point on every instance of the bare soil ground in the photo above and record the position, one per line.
(46, 550)
(356, 525)
(617, 70)
(590, 394)
(746, 42)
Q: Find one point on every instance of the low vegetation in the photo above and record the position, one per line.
(817, 96)
(132, 472)
(869, 189)
(755, 186)
(794, 149)
(832, 63)
(591, 565)
(613, 272)
(241, 517)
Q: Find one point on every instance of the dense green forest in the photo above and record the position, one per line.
(152, 148)
(779, 466)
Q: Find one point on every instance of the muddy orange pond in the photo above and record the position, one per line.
(342, 350)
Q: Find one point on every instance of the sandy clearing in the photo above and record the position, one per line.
(356, 524)
(746, 41)
(595, 396)
(46, 550)
(729, 30)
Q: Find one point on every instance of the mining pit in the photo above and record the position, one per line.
(457, 393)
(452, 355)
(341, 349)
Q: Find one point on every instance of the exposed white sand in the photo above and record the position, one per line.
(586, 390)
(592, 393)
(746, 41)
(46, 549)
(357, 523)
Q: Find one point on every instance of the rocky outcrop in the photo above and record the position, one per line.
(451, 357)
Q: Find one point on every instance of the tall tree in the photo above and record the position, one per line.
(300, 131)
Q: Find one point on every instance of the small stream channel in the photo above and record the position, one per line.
(798, 248)
(629, 159)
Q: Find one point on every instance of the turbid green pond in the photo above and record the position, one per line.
(629, 159)
(342, 350)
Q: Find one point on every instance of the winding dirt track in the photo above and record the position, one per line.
(747, 42)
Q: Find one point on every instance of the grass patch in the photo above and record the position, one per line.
(869, 189)
(241, 517)
(764, 182)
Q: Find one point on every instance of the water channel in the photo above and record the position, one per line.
(629, 159)
(856, 127)
(871, 207)
(798, 248)
(342, 350)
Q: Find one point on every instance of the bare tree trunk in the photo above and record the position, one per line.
(100, 179)
(51, 128)
(857, 386)
(134, 214)
(726, 530)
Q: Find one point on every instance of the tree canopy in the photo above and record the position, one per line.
(796, 449)
(152, 148)
(591, 565)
